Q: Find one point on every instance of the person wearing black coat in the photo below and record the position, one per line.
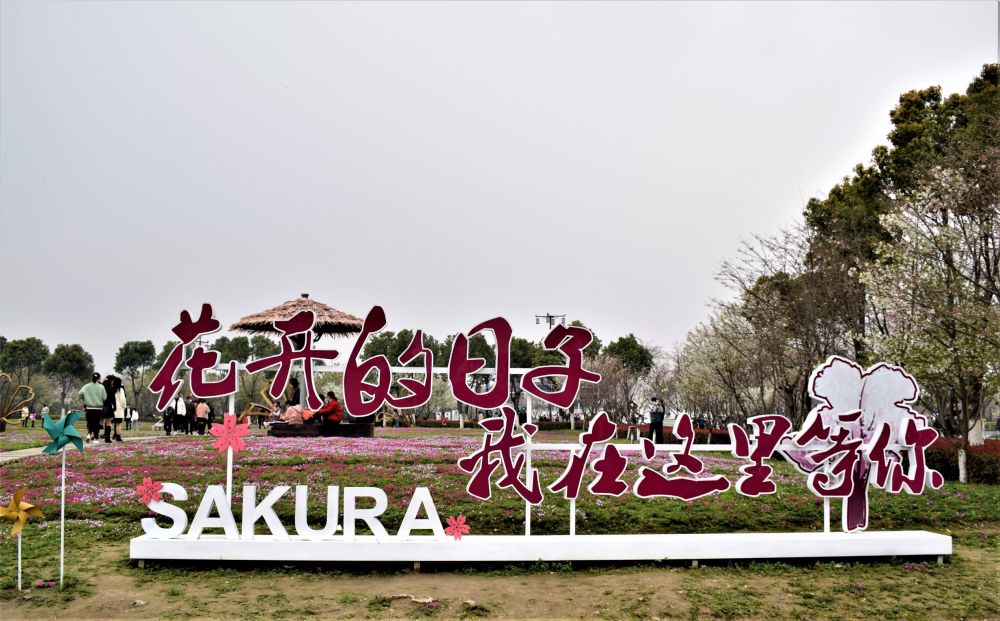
(656, 415)
(108, 413)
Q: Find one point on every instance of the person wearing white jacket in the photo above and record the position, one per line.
(180, 414)
(120, 408)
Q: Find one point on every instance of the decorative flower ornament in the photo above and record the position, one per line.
(62, 432)
(457, 527)
(149, 491)
(19, 511)
(229, 433)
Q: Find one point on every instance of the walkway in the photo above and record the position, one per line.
(8, 456)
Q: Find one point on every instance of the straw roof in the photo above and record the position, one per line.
(329, 320)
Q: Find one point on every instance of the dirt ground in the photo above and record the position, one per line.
(115, 589)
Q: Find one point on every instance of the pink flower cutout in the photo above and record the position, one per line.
(457, 527)
(229, 433)
(149, 491)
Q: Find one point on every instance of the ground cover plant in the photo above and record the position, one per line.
(104, 512)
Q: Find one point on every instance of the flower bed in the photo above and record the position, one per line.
(101, 484)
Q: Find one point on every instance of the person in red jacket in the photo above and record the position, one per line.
(330, 415)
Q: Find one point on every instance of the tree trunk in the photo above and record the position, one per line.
(963, 475)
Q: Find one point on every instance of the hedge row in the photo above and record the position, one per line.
(981, 462)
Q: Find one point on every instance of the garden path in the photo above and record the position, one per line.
(9, 456)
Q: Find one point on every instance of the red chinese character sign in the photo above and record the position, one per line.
(369, 384)
(357, 385)
(166, 385)
(862, 432)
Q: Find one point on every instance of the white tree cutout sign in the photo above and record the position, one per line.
(864, 431)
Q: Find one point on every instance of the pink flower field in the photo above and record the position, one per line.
(102, 482)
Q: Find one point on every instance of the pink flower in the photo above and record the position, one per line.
(149, 491)
(457, 527)
(229, 433)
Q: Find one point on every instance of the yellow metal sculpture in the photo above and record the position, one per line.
(10, 398)
(256, 409)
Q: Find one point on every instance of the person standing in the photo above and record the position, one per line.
(201, 416)
(93, 395)
(189, 420)
(632, 420)
(656, 421)
(135, 419)
(121, 407)
(169, 416)
(180, 414)
(45, 411)
(25, 412)
(108, 412)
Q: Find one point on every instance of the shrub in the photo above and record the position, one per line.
(981, 462)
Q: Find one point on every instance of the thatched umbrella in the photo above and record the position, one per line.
(329, 320)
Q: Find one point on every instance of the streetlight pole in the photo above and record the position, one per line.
(551, 319)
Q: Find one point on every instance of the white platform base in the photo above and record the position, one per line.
(473, 548)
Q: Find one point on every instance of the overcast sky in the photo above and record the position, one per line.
(451, 162)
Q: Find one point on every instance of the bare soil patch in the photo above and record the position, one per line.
(965, 588)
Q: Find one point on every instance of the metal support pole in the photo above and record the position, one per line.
(527, 472)
(62, 520)
(229, 451)
(229, 475)
(572, 517)
(826, 505)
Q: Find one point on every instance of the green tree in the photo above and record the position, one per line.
(133, 359)
(23, 358)
(237, 348)
(222, 345)
(161, 358)
(68, 366)
(633, 355)
(630, 362)
(262, 347)
(844, 229)
(380, 344)
(522, 354)
(938, 283)
(594, 349)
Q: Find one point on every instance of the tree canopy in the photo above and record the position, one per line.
(22, 358)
